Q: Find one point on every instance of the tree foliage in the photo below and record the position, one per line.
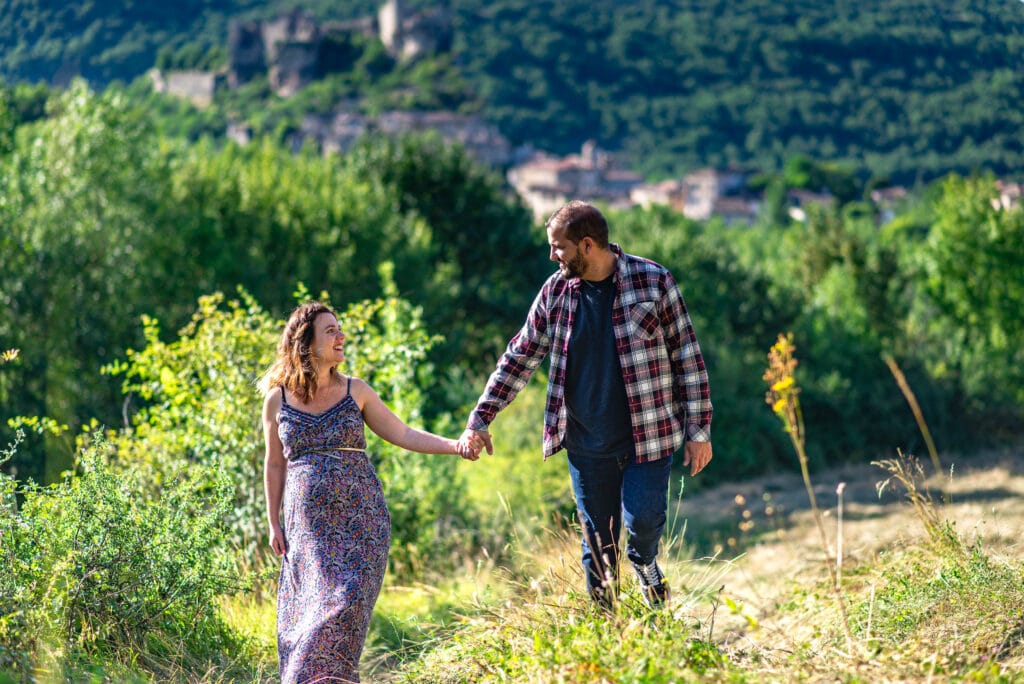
(970, 268)
(106, 221)
(897, 89)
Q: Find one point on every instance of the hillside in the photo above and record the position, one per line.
(903, 89)
(52, 41)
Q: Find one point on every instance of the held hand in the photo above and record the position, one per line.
(277, 542)
(697, 455)
(467, 449)
(477, 440)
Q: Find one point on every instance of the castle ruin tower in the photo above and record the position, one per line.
(389, 20)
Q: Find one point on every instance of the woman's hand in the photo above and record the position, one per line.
(467, 450)
(470, 445)
(472, 442)
(277, 542)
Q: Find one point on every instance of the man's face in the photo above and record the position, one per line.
(567, 254)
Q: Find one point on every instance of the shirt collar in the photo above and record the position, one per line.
(620, 268)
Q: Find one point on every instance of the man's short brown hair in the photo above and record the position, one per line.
(581, 220)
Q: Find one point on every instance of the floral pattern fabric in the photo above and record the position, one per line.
(338, 531)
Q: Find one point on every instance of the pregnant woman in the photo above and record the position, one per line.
(336, 529)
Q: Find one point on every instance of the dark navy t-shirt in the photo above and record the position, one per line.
(595, 395)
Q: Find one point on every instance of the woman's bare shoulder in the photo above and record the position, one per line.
(272, 402)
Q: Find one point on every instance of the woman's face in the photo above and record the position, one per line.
(328, 340)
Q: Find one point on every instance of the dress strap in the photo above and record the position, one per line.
(284, 400)
(348, 390)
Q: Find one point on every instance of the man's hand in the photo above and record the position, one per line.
(469, 449)
(697, 455)
(476, 440)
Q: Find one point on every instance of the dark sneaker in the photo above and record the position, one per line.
(602, 597)
(653, 584)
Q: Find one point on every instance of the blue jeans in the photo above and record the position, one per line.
(612, 490)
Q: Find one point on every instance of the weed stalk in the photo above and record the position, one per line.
(783, 397)
(908, 472)
(915, 408)
(839, 532)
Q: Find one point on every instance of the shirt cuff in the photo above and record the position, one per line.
(475, 422)
(698, 433)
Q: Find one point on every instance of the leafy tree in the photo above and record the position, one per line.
(83, 199)
(969, 273)
(7, 124)
(483, 261)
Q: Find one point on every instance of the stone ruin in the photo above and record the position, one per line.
(295, 50)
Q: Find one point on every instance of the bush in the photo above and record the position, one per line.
(203, 411)
(94, 566)
(202, 408)
(426, 497)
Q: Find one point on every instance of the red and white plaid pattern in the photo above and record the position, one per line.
(666, 381)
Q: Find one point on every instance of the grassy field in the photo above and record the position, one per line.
(752, 599)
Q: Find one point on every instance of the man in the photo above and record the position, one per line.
(627, 388)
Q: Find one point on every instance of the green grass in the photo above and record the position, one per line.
(925, 608)
(918, 611)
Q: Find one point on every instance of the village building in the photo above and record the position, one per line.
(738, 210)
(888, 201)
(198, 87)
(668, 193)
(331, 133)
(799, 201)
(240, 133)
(702, 188)
(704, 193)
(294, 50)
(338, 132)
(481, 140)
(1009, 196)
(407, 36)
(546, 182)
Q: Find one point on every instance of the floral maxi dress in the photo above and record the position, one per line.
(338, 531)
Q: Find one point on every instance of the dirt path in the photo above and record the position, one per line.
(781, 544)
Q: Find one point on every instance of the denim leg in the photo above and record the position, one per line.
(597, 484)
(644, 503)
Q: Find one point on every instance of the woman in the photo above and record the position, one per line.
(336, 528)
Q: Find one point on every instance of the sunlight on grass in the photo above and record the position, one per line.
(254, 617)
(905, 610)
(539, 624)
(410, 620)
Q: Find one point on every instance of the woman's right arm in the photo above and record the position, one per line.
(275, 470)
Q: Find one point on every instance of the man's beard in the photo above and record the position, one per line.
(575, 268)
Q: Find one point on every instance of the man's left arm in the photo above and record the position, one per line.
(689, 375)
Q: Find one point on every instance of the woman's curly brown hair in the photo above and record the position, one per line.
(295, 368)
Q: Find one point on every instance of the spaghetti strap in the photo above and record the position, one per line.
(348, 390)
(284, 400)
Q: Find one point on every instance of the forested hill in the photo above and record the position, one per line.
(905, 88)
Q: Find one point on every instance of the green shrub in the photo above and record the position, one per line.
(425, 494)
(14, 650)
(203, 411)
(202, 408)
(94, 566)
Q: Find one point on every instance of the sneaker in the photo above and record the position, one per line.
(602, 598)
(653, 584)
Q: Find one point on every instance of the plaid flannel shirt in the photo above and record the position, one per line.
(662, 367)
